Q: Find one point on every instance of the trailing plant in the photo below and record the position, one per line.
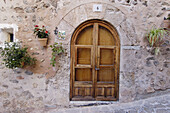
(41, 32)
(13, 55)
(155, 38)
(57, 49)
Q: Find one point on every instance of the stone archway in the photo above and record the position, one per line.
(112, 14)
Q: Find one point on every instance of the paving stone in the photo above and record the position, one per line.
(120, 111)
(73, 111)
(85, 110)
(132, 111)
(163, 111)
(148, 109)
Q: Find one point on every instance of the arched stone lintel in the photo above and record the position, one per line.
(66, 10)
(113, 14)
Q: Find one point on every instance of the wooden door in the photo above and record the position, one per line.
(94, 62)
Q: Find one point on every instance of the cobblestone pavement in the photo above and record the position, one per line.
(158, 104)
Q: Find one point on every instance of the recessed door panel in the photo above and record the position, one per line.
(105, 37)
(105, 75)
(106, 56)
(83, 74)
(85, 37)
(84, 56)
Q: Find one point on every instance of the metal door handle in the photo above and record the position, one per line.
(97, 69)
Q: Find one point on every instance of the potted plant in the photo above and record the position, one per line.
(57, 49)
(155, 39)
(13, 56)
(42, 34)
(166, 22)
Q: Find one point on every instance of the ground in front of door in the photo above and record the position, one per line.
(159, 104)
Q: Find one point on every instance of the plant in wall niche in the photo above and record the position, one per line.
(14, 55)
(42, 34)
(57, 49)
(155, 38)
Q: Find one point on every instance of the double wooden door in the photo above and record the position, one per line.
(94, 62)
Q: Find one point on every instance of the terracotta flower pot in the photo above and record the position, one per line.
(42, 41)
(166, 23)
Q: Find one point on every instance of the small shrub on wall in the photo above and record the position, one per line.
(155, 39)
(13, 56)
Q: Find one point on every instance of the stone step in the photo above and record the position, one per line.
(158, 104)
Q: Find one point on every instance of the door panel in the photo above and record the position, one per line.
(105, 37)
(85, 36)
(105, 75)
(106, 56)
(106, 64)
(100, 92)
(79, 91)
(83, 74)
(83, 91)
(83, 56)
(95, 62)
(110, 91)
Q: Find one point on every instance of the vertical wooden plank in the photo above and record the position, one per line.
(71, 75)
(93, 60)
(83, 91)
(88, 91)
(95, 37)
(113, 92)
(118, 69)
(116, 64)
(75, 56)
(76, 92)
(73, 79)
(93, 67)
(92, 55)
(98, 57)
(105, 91)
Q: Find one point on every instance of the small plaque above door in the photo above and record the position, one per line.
(97, 8)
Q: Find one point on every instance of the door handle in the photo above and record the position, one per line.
(97, 69)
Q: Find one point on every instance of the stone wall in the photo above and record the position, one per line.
(141, 74)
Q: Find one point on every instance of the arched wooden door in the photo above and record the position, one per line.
(95, 49)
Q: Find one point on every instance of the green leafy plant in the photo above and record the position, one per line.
(155, 38)
(168, 18)
(41, 32)
(57, 49)
(13, 55)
